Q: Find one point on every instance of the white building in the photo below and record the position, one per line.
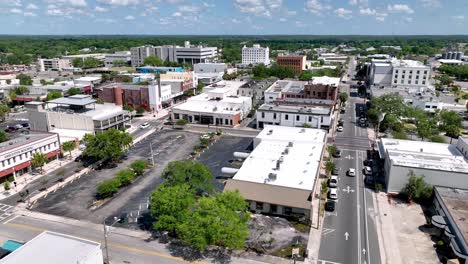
(441, 164)
(16, 153)
(122, 56)
(218, 105)
(209, 73)
(195, 54)
(255, 55)
(393, 72)
(54, 248)
(279, 176)
(158, 94)
(53, 64)
(98, 56)
(294, 116)
(88, 80)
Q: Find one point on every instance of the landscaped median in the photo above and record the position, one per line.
(108, 188)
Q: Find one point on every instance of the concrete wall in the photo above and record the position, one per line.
(38, 120)
(316, 121)
(69, 121)
(280, 210)
(397, 178)
(462, 146)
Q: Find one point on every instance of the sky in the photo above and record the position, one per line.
(234, 17)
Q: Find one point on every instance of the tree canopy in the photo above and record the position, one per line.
(153, 61)
(195, 174)
(74, 91)
(24, 79)
(107, 145)
(53, 95)
(417, 189)
(262, 72)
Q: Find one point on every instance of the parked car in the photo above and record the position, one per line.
(144, 125)
(367, 170)
(343, 110)
(333, 194)
(205, 136)
(337, 154)
(333, 182)
(339, 129)
(335, 171)
(341, 122)
(330, 206)
(351, 172)
(368, 162)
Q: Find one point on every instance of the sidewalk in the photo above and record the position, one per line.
(23, 180)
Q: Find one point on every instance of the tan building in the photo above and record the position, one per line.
(295, 62)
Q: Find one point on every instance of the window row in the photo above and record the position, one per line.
(28, 155)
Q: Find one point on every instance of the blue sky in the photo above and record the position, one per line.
(374, 17)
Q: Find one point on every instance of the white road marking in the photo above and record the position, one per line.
(11, 219)
(346, 235)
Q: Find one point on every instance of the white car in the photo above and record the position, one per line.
(333, 182)
(333, 194)
(351, 172)
(206, 136)
(367, 170)
(144, 125)
(339, 129)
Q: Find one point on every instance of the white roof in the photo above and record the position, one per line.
(298, 155)
(70, 134)
(202, 104)
(428, 155)
(450, 61)
(326, 80)
(54, 248)
(89, 78)
(408, 63)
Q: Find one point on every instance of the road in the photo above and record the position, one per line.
(349, 234)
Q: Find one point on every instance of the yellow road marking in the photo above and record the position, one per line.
(143, 251)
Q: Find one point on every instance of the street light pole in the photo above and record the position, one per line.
(106, 233)
(152, 156)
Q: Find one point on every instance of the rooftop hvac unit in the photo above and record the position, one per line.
(286, 151)
(272, 176)
(270, 132)
(290, 144)
(302, 130)
(278, 164)
(281, 159)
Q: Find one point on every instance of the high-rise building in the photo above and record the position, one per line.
(255, 55)
(399, 73)
(295, 62)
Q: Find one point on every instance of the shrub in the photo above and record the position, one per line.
(399, 135)
(108, 188)
(125, 177)
(139, 166)
(181, 122)
(6, 185)
(437, 139)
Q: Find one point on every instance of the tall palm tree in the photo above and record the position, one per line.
(68, 146)
(38, 160)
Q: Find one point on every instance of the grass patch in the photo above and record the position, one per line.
(301, 227)
(399, 135)
(437, 139)
(286, 252)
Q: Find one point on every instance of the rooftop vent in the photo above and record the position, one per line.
(286, 151)
(290, 144)
(278, 164)
(421, 150)
(270, 132)
(302, 130)
(272, 176)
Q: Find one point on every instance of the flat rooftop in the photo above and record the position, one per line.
(426, 155)
(296, 109)
(456, 201)
(79, 100)
(325, 80)
(53, 248)
(204, 104)
(295, 134)
(298, 164)
(23, 137)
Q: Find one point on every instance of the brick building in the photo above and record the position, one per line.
(123, 94)
(295, 62)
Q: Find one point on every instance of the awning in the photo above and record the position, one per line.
(6, 172)
(51, 154)
(456, 249)
(448, 233)
(438, 221)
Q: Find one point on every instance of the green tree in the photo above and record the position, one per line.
(53, 95)
(119, 63)
(110, 144)
(329, 166)
(306, 75)
(200, 86)
(128, 108)
(24, 79)
(74, 91)
(181, 122)
(68, 146)
(38, 160)
(193, 173)
(444, 79)
(453, 132)
(153, 61)
(125, 177)
(171, 205)
(3, 136)
(332, 150)
(425, 129)
(449, 119)
(343, 97)
(139, 166)
(90, 63)
(108, 188)
(417, 189)
(4, 111)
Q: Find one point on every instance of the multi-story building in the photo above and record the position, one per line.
(158, 70)
(255, 55)
(295, 62)
(403, 73)
(256, 90)
(280, 175)
(294, 116)
(218, 105)
(443, 165)
(195, 54)
(209, 73)
(16, 153)
(186, 76)
(53, 64)
(320, 90)
(122, 56)
(75, 116)
(139, 54)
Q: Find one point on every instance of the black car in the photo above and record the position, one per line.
(335, 171)
(340, 122)
(330, 206)
(337, 154)
(368, 162)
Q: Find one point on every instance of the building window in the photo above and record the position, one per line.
(176, 116)
(424, 82)
(416, 82)
(403, 76)
(395, 81)
(409, 81)
(286, 117)
(417, 72)
(396, 76)
(263, 114)
(425, 72)
(404, 71)
(417, 77)
(410, 72)
(274, 115)
(287, 210)
(297, 117)
(402, 81)
(411, 76)
(396, 71)
(310, 118)
(273, 208)
(230, 122)
(259, 206)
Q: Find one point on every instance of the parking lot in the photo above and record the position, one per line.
(220, 155)
(76, 199)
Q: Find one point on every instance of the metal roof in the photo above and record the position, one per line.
(78, 99)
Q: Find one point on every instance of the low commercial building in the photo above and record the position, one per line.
(279, 176)
(160, 70)
(17, 152)
(54, 248)
(218, 105)
(443, 165)
(320, 90)
(90, 81)
(255, 55)
(124, 57)
(54, 64)
(399, 73)
(295, 62)
(294, 116)
(209, 73)
(77, 114)
(195, 53)
(256, 90)
(98, 56)
(451, 210)
(188, 76)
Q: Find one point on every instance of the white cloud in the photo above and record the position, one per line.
(29, 14)
(431, 3)
(100, 9)
(343, 13)
(119, 2)
(75, 3)
(316, 7)
(174, 1)
(358, 2)
(367, 12)
(177, 14)
(189, 9)
(380, 19)
(235, 21)
(106, 20)
(299, 24)
(400, 8)
(129, 18)
(408, 19)
(259, 7)
(459, 17)
(32, 6)
(55, 12)
(10, 3)
(16, 11)
(283, 19)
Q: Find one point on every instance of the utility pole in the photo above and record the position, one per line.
(106, 233)
(152, 156)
